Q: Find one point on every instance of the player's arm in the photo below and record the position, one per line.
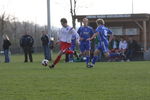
(77, 37)
(94, 35)
(72, 31)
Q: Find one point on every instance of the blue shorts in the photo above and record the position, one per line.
(85, 46)
(104, 47)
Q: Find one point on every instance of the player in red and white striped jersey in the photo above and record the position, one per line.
(64, 36)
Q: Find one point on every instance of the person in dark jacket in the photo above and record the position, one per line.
(46, 45)
(26, 42)
(132, 48)
(6, 45)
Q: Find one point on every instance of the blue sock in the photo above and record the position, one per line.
(87, 59)
(94, 59)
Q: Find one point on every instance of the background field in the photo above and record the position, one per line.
(73, 81)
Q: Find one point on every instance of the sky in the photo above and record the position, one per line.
(36, 10)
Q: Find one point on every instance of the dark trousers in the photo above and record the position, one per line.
(6, 53)
(28, 52)
(130, 54)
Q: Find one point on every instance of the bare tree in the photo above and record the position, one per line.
(25, 26)
(13, 25)
(3, 23)
(14, 29)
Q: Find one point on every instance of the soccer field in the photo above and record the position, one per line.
(73, 81)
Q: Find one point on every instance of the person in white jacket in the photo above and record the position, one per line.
(123, 45)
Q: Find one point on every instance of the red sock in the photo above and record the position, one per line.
(69, 52)
(57, 60)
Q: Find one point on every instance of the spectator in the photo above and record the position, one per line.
(46, 45)
(123, 46)
(132, 46)
(26, 42)
(6, 45)
(114, 44)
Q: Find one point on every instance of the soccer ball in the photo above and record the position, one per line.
(84, 58)
(45, 62)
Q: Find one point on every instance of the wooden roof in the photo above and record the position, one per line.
(115, 17)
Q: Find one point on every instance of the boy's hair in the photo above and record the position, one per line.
(84, 19)
(63, 20)
(100, 22)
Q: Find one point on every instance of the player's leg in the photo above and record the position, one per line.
(69, 51)
(64, 47)
(95, 56)
(96, 52)
(71, 55)
(87, 52)
(60, 53)
(76, 55)
(105, 49)
(87, 57)
(107, 52)
(82, 50)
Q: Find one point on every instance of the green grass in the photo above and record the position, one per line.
(73, 81)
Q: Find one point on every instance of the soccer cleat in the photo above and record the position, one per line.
(91, 65)
(87, 65)
(51, 66)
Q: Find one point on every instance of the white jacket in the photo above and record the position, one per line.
(123, 44)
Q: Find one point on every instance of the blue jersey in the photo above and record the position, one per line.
(103, 34)
(85, 32)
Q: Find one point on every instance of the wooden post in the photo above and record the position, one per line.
(148, 40)
(139, 25)
(145, 35)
